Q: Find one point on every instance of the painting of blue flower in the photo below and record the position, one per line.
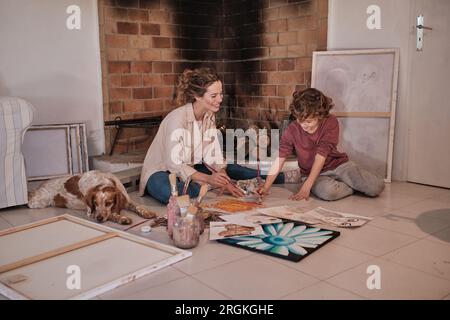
(287, 240)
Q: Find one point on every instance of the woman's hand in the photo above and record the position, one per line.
(219, 179)
(304, 192)
(234, 191)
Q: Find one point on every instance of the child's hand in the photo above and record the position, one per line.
(304, 192)
(262, 191)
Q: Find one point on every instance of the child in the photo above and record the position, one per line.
(314, 136)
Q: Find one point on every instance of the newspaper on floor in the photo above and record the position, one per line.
(316, 216)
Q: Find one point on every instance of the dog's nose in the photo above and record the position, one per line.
(99, 218)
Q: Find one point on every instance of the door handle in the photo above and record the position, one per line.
(419, 34)
(423, 27)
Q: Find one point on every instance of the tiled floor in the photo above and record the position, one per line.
(409, 240)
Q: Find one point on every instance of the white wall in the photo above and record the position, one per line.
(347, 29)
(56, 69)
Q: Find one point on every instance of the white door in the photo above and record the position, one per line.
(429, 96)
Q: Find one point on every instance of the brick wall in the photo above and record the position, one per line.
(269, 55)
(261, 48)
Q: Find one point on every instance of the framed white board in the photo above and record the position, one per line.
(363, 86)
(46, 150)
(56, 150)
(35, 262)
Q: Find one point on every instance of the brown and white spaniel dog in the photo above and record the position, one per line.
(101, 194)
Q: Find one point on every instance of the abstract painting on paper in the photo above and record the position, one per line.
(287, 240)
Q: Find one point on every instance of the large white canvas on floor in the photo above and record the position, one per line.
(35, 259)
(363, 86)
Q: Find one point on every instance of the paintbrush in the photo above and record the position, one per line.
(172, 206)
(201, 194)
(186, 185)
(258, 181)
(233, 182)
(183, 201)
(173, 184)
(258, 175)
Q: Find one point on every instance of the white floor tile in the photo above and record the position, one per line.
(4, 224)
(20, 216)
(373, 241)
(358, 205)
(327, 261)
(255, 278)
(209, 254)
(322, 291)
(440, 237)
(389, 200)
(412, 189)
(419, 227)
(185, 288)
(428, 208)
(442, 195)
(397, 282)
(152, 280)
(150, 202)
(426, 256)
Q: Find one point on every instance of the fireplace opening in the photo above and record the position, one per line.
(262, 50)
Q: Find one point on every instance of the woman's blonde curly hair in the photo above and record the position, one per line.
(194, 83)
(310, 103)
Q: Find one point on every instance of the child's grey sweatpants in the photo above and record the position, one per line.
(342, 181)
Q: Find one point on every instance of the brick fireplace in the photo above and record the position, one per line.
(262, 49)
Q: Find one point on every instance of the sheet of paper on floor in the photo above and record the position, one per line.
(317, 216)
(222, 230)
(250, 219)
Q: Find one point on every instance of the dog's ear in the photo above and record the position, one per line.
(89, 199)
(120, 202)
(113, 182)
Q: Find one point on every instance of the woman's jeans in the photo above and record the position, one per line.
(158, 185)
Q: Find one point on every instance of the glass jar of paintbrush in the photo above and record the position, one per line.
(186, 232)
(184, 216)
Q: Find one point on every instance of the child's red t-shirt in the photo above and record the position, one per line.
(324, 142)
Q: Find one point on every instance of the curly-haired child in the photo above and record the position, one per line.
(314, 135)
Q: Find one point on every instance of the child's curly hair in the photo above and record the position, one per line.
(194, 83)
(310, 103)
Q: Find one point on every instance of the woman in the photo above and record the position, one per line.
(187, 139)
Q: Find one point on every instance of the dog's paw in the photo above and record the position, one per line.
(145, 213)
(125, 220)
